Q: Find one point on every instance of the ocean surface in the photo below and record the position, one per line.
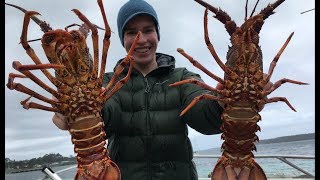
(272, 167)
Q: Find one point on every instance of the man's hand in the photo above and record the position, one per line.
(220, 87)
(59, 120)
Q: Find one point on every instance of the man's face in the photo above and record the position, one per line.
(146, 47)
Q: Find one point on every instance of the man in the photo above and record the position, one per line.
(147, 137)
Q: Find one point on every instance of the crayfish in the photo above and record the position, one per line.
(243, 91)
(78, 83)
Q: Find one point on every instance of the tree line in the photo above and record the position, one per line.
(47, 159)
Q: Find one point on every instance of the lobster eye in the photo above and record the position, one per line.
(65, 73)
(48, 39)
(75, 35)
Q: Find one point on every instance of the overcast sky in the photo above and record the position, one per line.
(31, 133)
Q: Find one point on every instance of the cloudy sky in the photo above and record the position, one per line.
(31, 133)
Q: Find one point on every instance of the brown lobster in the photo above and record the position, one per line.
(79, 87)
(242, 94)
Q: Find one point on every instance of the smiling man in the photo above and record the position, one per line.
(147, 137)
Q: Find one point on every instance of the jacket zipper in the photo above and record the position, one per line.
(147, 91)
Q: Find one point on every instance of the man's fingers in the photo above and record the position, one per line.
(56, 100)
(59, 115)
(60, 121)
(219, 86)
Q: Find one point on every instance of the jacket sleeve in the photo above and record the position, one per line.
(205, 115)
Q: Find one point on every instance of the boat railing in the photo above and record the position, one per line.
(283, 158)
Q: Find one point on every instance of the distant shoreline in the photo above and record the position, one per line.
(298, 137)
(292, 138)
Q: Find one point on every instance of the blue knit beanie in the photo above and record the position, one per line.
(131, 9)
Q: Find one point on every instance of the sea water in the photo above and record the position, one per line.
(272, 167)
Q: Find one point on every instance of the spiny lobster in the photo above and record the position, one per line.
(79, 93)
(243, 92)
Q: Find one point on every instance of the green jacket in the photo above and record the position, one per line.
(147, 138)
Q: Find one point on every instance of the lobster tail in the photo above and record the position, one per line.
(224, 171)
(45, 27)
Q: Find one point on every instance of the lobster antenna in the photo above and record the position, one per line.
(34, 40)
(245, 17)
(45, 27)
(306, 11)
(84, 28)
(254, 9)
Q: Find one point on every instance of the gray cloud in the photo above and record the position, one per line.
(31, 133)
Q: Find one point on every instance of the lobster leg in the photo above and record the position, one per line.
(121, 82)
(33, 67)
(198, 65)
(17, 65)
(204, 96)
(106, 41)
(277, 99)
(120, 67)
(212, 50)
(277, 84)
(29, 50)
(118, 70)
(28, 105)
(22, 88)
(276, 58)
(19, 87)
(199, 83)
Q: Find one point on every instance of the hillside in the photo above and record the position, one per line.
(298, 137)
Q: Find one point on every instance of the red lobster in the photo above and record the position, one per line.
(79, 94)
(242, 94)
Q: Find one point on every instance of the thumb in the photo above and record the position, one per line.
(219, 86)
